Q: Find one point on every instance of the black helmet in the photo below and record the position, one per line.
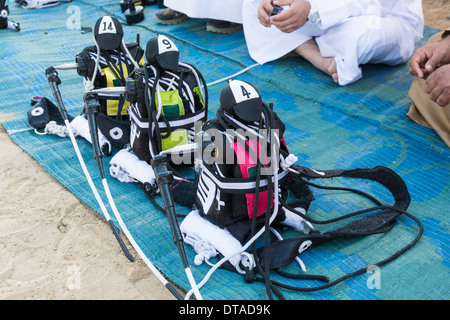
(242, 100)
(108, 33)
(162, 52)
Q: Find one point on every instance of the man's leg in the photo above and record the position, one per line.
(356, 42)
(310, 51)
(425, 111)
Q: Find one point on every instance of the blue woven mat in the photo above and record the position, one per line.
(327, 127)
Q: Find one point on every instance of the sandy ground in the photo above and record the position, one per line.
(55, 247)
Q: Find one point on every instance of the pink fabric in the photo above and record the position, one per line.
(246, 162)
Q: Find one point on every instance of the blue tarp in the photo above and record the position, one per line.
(328, 127)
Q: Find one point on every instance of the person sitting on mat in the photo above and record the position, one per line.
(430, 90)
(222, 16)
(335, 36)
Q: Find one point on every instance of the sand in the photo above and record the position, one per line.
(54, 247)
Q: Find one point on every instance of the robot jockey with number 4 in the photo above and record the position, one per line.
(252, 206)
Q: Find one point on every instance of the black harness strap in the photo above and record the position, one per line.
(283, 252)
(383, 175)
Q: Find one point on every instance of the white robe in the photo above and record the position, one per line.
(226, 10)
(355, 32)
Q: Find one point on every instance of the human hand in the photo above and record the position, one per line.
(438, 85)
(293, 18)
(429, 57)
(264, 10)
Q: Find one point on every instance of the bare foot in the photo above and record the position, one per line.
(332, 70)
(310, 51)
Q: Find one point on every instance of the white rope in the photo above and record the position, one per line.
(203, 248)
(127, 53)
(53, 128)
(233, 75)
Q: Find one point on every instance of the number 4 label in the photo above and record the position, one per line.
(242, 91)
(245, 92)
